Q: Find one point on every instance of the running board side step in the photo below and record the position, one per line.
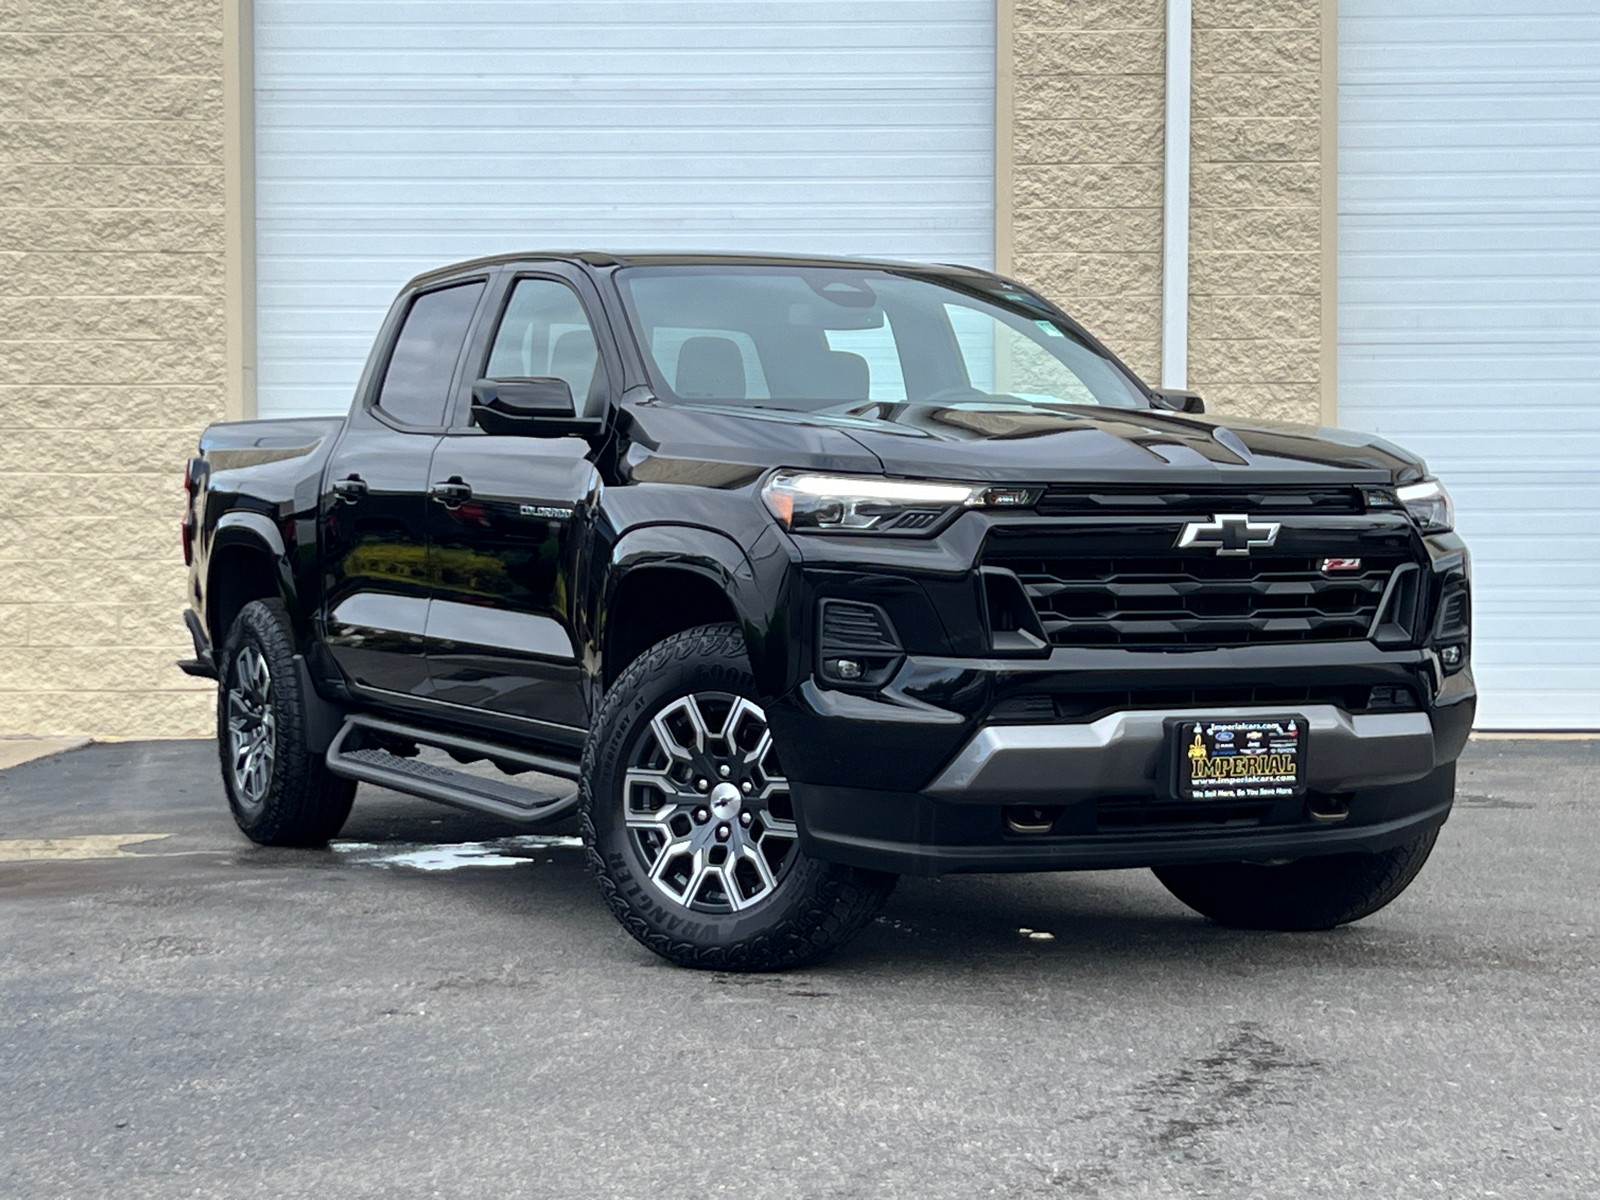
(459, 789)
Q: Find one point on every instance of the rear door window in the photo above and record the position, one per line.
(416, 384)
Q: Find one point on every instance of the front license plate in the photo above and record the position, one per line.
(1262, 759)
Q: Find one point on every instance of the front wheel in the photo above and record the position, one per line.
(689, 824)
(1309, 893)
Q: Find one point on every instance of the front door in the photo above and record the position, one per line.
(374, 503)
(505, 528)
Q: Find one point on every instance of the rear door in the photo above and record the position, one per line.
(374, 503)
(506, 519)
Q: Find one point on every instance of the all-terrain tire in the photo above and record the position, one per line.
(281, 792)
(813, 909)
(1309, 893)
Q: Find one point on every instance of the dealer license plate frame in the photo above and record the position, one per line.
(1268, 783)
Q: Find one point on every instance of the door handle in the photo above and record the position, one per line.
(451, 492)
(350, 489)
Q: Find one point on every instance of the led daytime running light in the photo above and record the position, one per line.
(806, 502)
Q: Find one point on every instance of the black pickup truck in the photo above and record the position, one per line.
(811, 573)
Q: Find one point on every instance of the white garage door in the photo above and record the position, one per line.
(397, 135)
(1469, 309)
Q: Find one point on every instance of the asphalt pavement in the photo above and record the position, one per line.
(437, 1007)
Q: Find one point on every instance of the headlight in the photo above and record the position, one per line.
(1429, 505)
(856, 504)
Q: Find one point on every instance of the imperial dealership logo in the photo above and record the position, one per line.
(1228, 534)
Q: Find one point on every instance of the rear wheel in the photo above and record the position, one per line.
(1309, 893)
(690, 826)
(280, 791)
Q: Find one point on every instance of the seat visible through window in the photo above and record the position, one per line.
(710, 368)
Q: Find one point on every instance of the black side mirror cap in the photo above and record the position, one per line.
(1177, 400)
(532, 407)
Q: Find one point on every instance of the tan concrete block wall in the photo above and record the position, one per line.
(111, 353)
(1255, 240)
(1087, 164)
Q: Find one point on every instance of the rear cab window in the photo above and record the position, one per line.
(422, 365)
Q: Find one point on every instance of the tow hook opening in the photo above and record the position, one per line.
(1033, 818)
(1330, 809)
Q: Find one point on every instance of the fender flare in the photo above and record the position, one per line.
(708, 553)
(241, 525)
(705, 552)
(254, 531)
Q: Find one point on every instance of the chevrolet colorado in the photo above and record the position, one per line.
(815, 572)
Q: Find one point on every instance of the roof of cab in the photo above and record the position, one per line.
(606, 259)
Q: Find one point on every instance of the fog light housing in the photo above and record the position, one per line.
(1452, 657)
(857, 646)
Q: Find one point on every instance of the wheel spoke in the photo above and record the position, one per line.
(763, 748)
(669, 743)
(782, 826)
(730, 887)
(753, 855)
(697, 876)
(662, 781)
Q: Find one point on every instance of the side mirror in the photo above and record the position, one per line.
(528, 407)
(1177, 400)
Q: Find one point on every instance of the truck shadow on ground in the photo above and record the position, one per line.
(1080, 923)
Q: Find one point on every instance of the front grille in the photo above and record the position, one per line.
(1200, 600)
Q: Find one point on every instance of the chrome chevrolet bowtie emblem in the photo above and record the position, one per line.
(1228, 533)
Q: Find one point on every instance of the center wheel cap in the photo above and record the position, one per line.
(725, 801)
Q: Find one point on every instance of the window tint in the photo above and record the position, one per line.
(545, 335)
(416, 385)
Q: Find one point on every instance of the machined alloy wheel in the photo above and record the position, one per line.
(252, 729)
(706, 804)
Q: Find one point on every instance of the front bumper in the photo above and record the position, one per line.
(912, 834)
(898, 783)
(1123, 753)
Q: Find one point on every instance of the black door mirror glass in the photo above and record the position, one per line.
(1177, 400)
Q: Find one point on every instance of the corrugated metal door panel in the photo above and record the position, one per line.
(1469, 309)
(396, 135)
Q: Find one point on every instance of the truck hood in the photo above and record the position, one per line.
(1009, 442)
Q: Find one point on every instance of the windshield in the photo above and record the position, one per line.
(813, 338)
